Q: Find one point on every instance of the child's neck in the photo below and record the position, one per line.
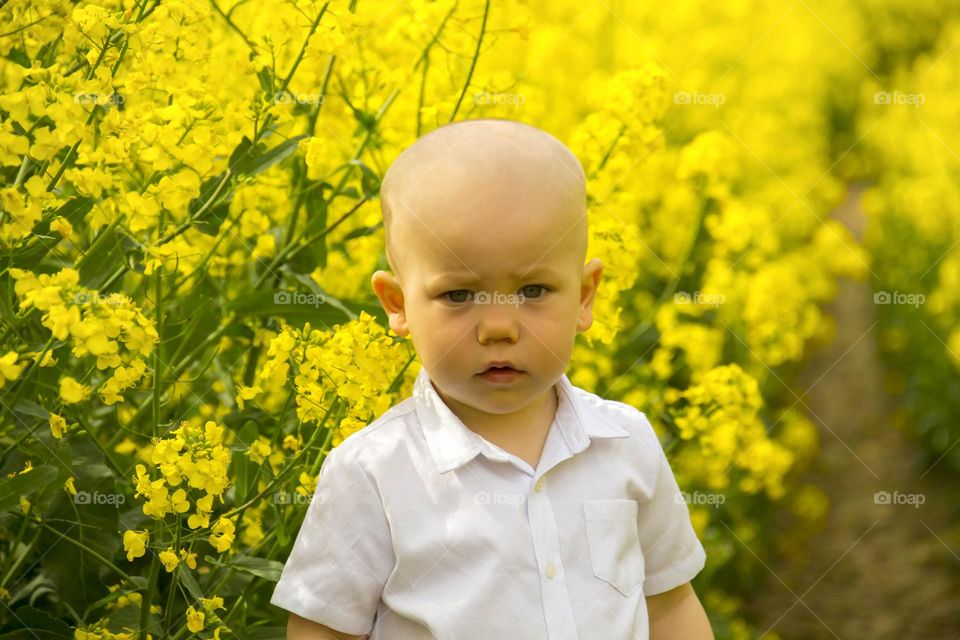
(522, 433)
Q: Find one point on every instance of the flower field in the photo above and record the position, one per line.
(190, 218)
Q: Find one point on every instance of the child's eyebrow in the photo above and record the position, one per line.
(467, 277)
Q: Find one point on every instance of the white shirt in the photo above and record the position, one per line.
(422, 529)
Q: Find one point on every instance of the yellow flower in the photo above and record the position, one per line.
(62, 226)
(135, 543)
(189, 558)
(317, 156)
(125, 447)
(194, 620)
(223, 533)
(69, 486)
(202, 517)
(247, 393)
(259, 450)
(9, 370)
(57, 425)
(71, 391)
(179, 502)
(266, 247)
(169, 559)
(292, 443)
(212, 432)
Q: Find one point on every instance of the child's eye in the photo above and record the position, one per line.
(533, 290)
(460, 295)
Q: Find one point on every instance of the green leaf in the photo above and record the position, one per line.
(259, 567)
(265, 633)
(74, 210)
(284, 304)
(265, 76)
(106, 256)
(90, 518)
(275, 155)
(245, 470)
(25, 407)
(250, 159)
(187, 580)
(307, 258)
(369, 180)
(214, 199)
(213, 218)
(26, 484)
(362, 231)
(242, 152)
(30, 622)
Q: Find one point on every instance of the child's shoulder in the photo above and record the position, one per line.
(380, 435)
(620, 414)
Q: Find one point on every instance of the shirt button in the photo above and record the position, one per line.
(538, 485)
(551, 571)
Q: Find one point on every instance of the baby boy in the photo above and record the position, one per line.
(499, 501)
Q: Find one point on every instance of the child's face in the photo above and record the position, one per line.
(490, 269)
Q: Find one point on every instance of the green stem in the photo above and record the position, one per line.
(177, 370)
(609, 152)
(671, 287)
(473, 62)
(147, 599)
(425, 59)
(168, 613)
(82, 546)
(233, 26)
(21, 382)
(12, 567)
(303, 48)
(158, 321)
(101, 239)
(106, 454)
(290, 465)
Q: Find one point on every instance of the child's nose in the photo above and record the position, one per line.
(498, 324)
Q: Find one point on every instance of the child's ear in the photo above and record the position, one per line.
(388, 291)
(592, 271)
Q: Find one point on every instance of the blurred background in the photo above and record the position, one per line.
(190, 218)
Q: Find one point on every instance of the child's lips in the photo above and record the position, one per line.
(501, 374)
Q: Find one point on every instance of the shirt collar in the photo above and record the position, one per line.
(452, 444)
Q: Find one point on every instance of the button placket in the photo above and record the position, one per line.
(557, 608)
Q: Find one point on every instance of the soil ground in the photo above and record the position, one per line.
(875, 571)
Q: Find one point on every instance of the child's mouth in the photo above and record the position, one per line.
(501, 374)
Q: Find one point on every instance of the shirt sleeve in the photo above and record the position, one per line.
(672, 553)
(343, 553)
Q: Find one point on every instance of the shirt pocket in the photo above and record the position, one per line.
(614, 543)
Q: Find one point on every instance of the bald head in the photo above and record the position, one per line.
(488, 171)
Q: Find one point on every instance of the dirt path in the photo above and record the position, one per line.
(876, 571)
